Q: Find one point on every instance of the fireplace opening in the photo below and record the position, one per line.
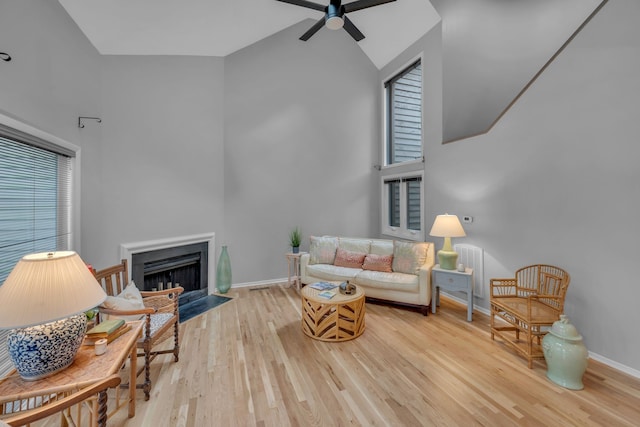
(185, 266)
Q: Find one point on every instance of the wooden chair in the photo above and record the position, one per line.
(161, 314)
(527, 304)
(56, 406)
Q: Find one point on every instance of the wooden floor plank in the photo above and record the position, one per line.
(247, 363)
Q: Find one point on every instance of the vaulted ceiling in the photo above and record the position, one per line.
(221, 27)
(492, 49)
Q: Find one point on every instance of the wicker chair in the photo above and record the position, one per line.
(161, 314)
(57, 406)
(527, 304)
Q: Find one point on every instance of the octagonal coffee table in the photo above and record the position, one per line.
(340, 318)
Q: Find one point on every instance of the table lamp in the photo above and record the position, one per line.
(44, 299)
(447, 226)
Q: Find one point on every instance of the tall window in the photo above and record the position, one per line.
(35, 205)
(404, 115)
(402, 189)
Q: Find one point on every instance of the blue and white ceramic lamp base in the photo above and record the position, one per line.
(40, 351)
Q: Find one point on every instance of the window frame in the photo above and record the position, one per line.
(15, 130)
(401, 231)
(402, 170)
(387, 113)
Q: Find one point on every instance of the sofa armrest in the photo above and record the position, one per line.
(304, 262)
(424, 282)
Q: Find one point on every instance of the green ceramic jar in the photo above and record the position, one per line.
(565, 354)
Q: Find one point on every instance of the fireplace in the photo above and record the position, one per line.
(184, 266)
(181, 261)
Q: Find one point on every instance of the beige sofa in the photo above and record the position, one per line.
(387, 270)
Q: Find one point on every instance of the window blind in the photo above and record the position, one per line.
(404, 115)
(35, 204)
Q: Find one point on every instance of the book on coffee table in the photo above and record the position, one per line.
(326, 294)
(323, 286)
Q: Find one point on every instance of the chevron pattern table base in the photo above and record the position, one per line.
(340, 318)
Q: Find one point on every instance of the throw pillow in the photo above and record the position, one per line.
(322, 250)
(128, 299)
(408, 257)
(378, 263)
(381, 247)
(354, 245)
(349, 259)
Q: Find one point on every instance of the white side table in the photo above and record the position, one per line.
(293, 266)
(452, 280)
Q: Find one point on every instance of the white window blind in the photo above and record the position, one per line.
(402, 206)
(404, 115)
(35, 204)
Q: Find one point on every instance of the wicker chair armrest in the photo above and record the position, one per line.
(114, 312)
(161, 303)
(171, 291)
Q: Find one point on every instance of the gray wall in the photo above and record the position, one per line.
(301, 139)
(161, 169)
(492, 49)
(54, 76)
(555, 181)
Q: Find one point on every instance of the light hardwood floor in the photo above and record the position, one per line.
(247, 363)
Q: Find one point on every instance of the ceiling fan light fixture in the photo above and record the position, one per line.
(334, 23)
(333, 20)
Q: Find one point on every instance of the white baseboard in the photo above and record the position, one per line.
(259, 283)
(615, 365)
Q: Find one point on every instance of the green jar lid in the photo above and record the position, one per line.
(565, 330)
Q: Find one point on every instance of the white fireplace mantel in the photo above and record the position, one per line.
(128, 249)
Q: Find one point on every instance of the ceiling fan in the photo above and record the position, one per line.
(335, 15)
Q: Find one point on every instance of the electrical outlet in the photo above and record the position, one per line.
(467, 219)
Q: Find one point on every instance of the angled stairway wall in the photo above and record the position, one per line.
(493, 49)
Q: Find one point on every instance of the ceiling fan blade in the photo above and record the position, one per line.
(352, 30)
(311, 31)
(305, 3)
(362, 4)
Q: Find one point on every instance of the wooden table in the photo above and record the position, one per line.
(340, 318)
(452, 280)
(86, 369)
(293, 266)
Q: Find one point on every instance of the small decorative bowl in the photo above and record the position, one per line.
(347, 288)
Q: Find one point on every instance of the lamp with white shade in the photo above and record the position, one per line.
(447, 226)
(45, 298)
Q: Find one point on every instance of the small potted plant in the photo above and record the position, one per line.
(295, 237)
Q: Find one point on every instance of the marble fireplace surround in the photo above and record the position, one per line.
(128, 249)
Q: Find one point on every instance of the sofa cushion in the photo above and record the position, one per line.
(378, 263)
(323, 250)
(355, 245)
(345, 258)
(381, 247)
(392, 281)
(408, 257)
(332, 272)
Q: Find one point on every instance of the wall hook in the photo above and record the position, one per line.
(5, 56)
(81, 124)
